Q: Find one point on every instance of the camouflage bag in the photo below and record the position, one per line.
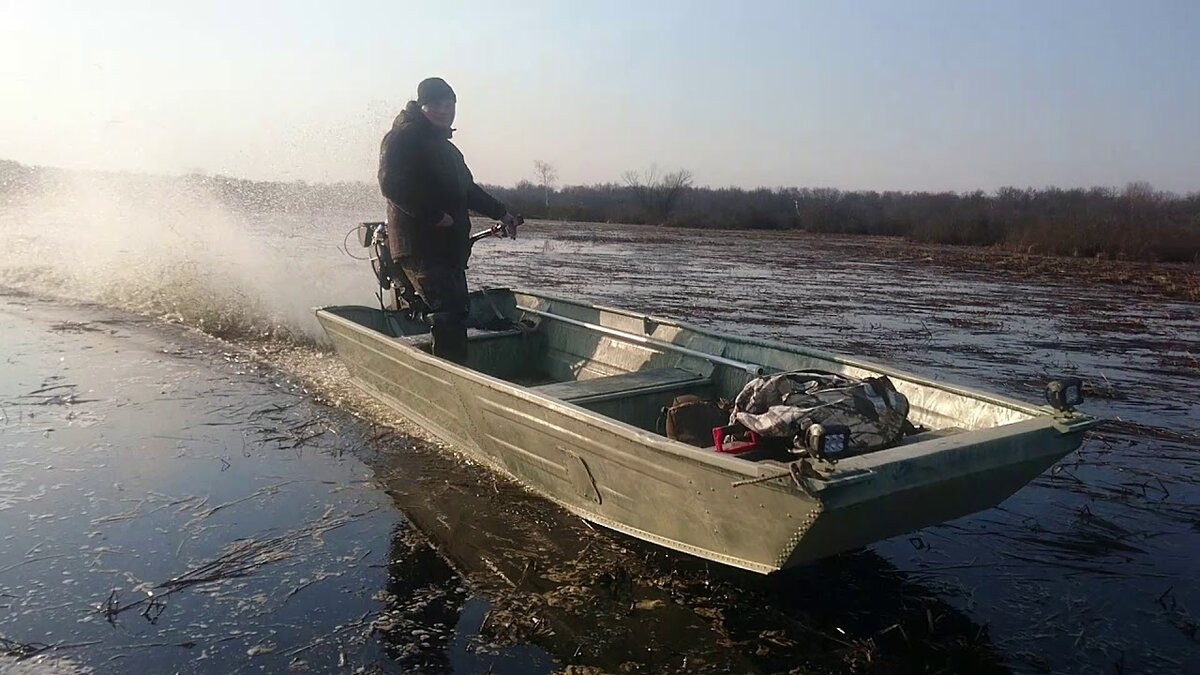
(787, 404)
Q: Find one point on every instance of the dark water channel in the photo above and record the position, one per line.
(168, 504)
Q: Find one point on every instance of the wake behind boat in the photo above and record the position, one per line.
(567, 397)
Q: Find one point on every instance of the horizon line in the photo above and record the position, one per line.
(297, 181)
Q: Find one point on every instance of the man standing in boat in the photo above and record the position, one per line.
(429, 191)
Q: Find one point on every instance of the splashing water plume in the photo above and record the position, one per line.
(167, 248)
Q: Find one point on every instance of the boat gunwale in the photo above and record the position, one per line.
(959, 390)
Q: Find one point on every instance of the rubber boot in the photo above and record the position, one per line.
(449, 333)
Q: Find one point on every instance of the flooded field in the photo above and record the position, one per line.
(232, 504)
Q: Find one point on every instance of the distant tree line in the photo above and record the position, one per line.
(1136, 222)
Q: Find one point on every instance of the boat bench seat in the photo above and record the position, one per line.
(619, 386)
(424, 341)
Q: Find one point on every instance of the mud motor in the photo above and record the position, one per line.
(396, 292)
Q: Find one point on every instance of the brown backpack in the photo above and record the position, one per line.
(690, 419)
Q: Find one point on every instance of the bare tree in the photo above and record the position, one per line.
(673, 185)
(1139, 198)
(657, 192)
(642, 184)
(547, 176)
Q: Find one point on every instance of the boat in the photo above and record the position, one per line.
(565, 397)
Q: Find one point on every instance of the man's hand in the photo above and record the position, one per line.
(446, 221)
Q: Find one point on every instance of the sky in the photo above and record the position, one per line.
(880, 95)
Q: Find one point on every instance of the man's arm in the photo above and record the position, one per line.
(400, 178)
(479, 201)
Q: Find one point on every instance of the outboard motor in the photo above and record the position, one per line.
(396, 293)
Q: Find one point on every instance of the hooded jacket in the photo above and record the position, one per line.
(424, 176)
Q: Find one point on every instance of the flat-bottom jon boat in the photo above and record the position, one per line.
(565, 397)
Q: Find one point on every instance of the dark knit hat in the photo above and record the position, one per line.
(434, 89)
